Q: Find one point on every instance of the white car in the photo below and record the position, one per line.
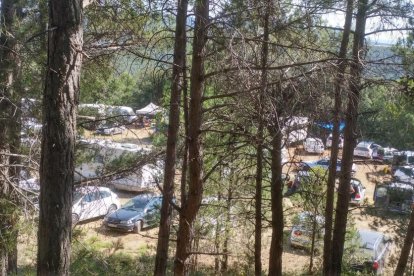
(92, 202)
(301, 233)
(329, 141)
(367, 150)
(313, 145)
(110, 130)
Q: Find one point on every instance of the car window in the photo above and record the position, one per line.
(381, 192)
(154, 204)
(362, 149)
(105, 194)
(137, 203)
(380, 248)
(92, 196)
(323, 162)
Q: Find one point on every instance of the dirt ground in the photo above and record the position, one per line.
(293, 260)
(139, 136)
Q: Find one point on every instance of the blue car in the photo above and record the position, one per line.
(323, 163)
(139, 212)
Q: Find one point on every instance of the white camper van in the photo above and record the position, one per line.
(313, 145)
(97, 155)
(295, 129)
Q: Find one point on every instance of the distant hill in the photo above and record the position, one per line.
(383, 63)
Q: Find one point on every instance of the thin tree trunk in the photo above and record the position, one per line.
(405, 251)
(9, 130)
(225, 262)
(349, 140)
(276, 245)
(173, 127)
(259, 148)
(195, 188)
(58, 136)
(312, 256)
(339, 80)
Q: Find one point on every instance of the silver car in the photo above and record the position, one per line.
(301, 233)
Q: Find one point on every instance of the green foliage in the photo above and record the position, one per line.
(387, 118)
(92, 262)
(9, 224)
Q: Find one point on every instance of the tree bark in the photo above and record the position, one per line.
(259, 147)
(195, 188)
(276, 245)
(349, 139)
(9, 129)
(173, 127)
(330, 192)
(405, 251)
(58, 136)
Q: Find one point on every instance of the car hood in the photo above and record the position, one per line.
(126, 214)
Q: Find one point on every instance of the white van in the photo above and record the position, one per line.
(313, 145)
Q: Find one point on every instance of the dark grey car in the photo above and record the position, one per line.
(372, 253)
(139, 212)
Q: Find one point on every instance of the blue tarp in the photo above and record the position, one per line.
(329, 126)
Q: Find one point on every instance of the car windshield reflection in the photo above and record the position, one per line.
(136, 204)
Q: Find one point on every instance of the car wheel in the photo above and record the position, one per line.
(111, 209)
(138, 227)
(75, 220)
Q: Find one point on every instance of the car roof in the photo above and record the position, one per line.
(85, 189)
(401, 186)
(369, 238)
(148, 195)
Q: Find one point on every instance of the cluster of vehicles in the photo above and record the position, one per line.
(368, 249)
(111, 120)
(91, 202)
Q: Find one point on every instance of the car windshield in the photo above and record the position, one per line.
(137, 203)
(77, 196)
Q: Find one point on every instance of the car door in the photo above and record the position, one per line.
(381, 196)
(93, 205)
(152, 211)
(381, 252)
(106, 201)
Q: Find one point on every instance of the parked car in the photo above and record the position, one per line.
(323, 163)
(109, 130)
(357, 192)
(395, 197)
(139, 212)
(368, 150)
(388, 155)
(301, 233)
(294, 186)
(372, 253)
(404, 174)
(329, 141)
(313, 145)
(91, 202)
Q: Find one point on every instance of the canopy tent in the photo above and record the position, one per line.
(151, 110)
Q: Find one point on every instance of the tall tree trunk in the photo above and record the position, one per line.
(339, 80)
(259, 148)
(349, 139)
(9, 130)
(195, 188)
(405, 251)
(58, 136)
(173, 127)
(276, 245)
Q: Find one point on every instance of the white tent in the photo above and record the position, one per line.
(151, 109)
